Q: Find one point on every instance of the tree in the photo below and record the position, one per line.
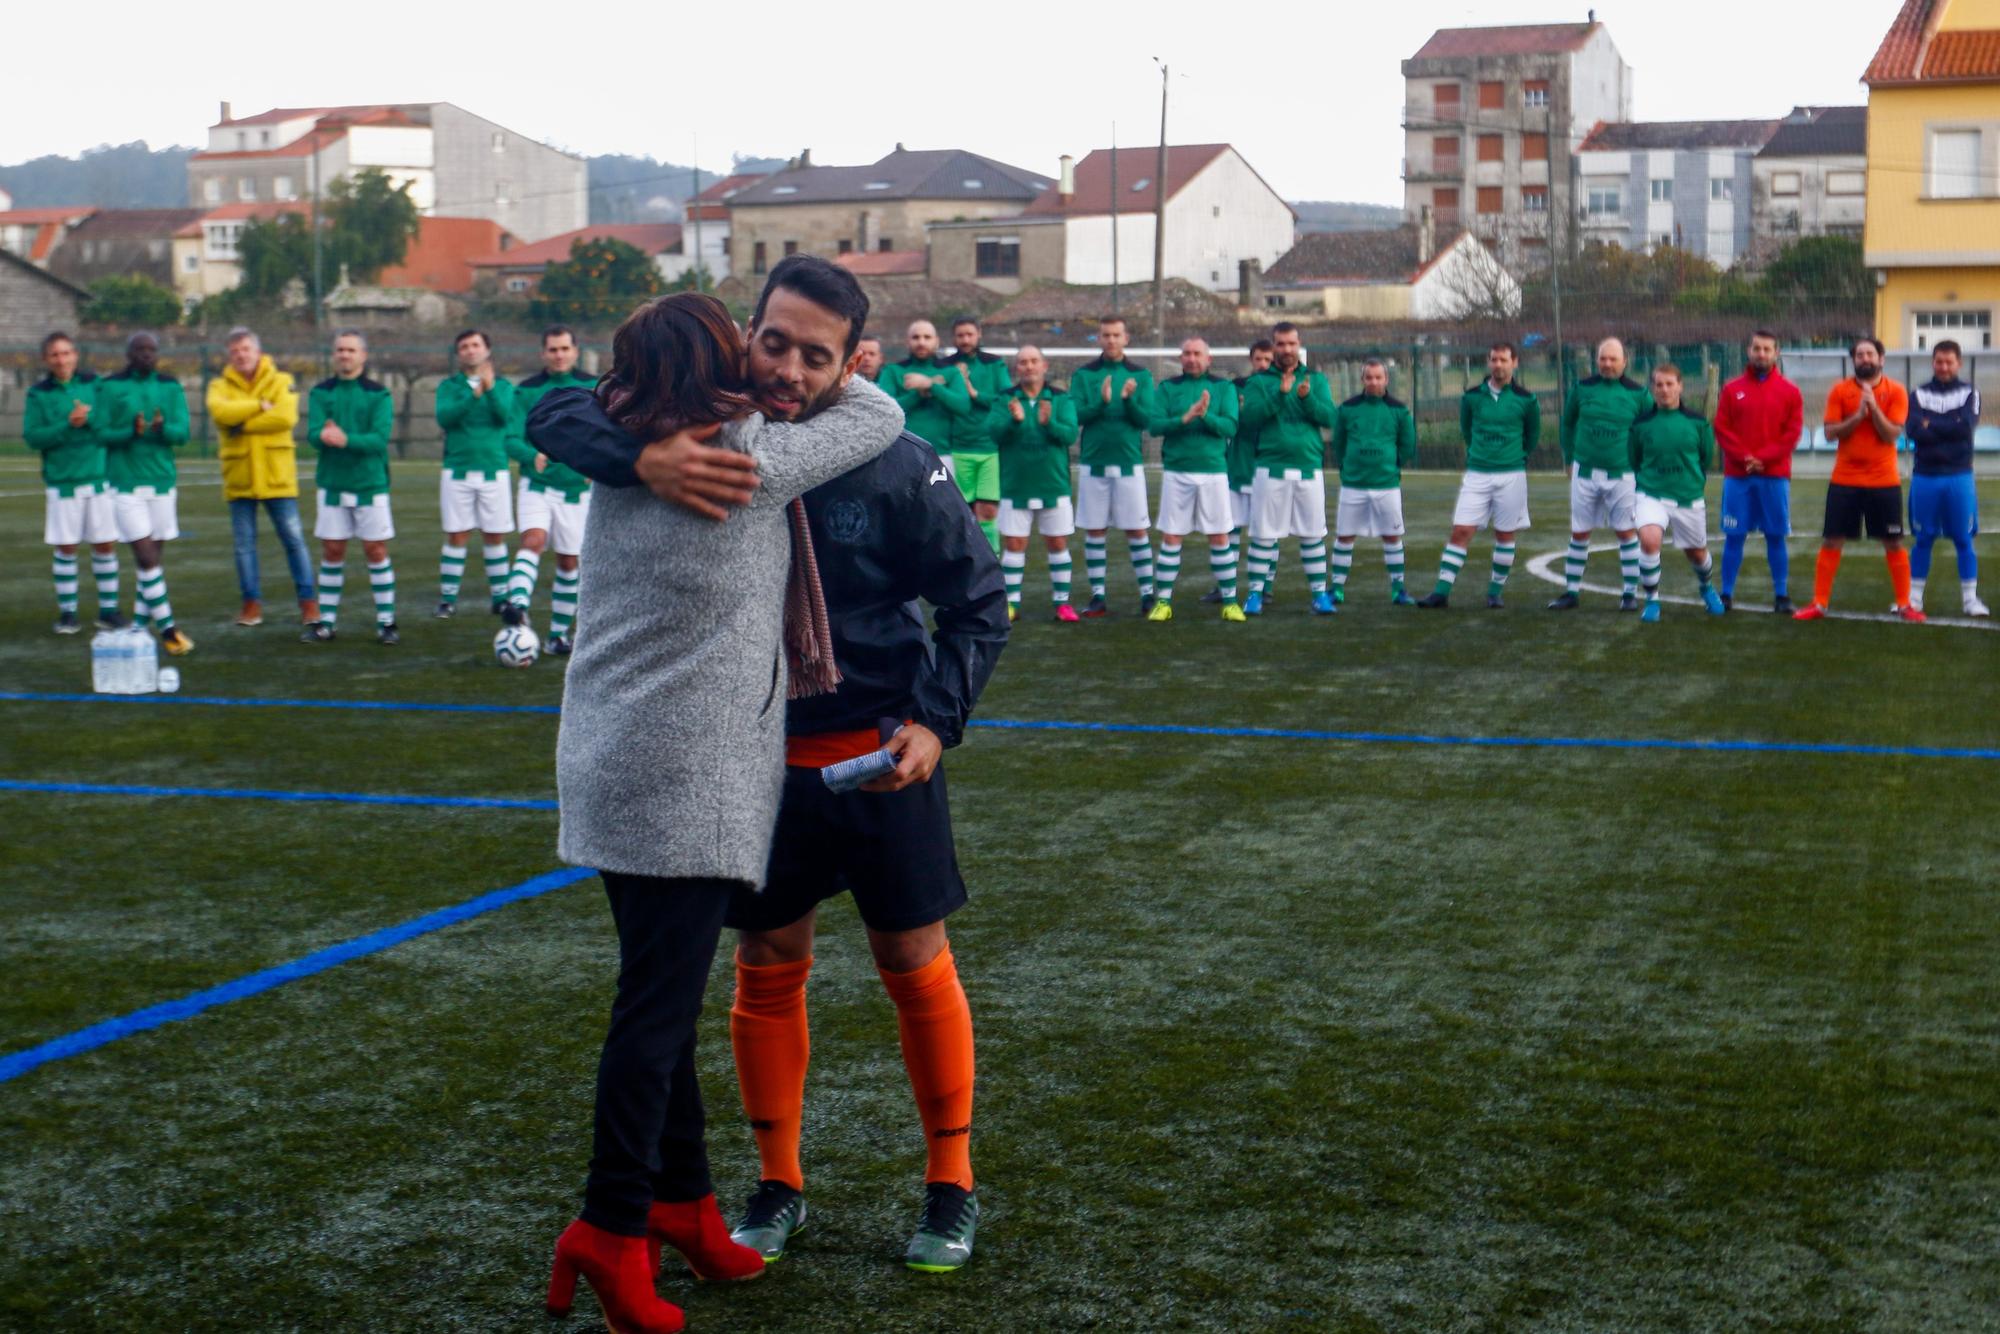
(1819, 274)
(601, 280)
(370, 222)
(132, 301)
(270, 252)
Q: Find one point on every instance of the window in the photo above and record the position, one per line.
(1492, 148)
(1534, 199)
(1662, 190)
(1664, 241)
(1444, 204)
(220, 238)
(246, 187)
(784, 189)
(876, 185)
(1604, 203)
(1973, 328)
(757, 258)
(517, 284)
(1785, 184)
(846, 247)
(1215, 275)
(1489, 199)
(1444, 98)
(499, 141)
(1492, 96)
(264, 139)
(1955, 163)
(1721, 189)
(974, 183)
(190, 263)
(997, 257)
(1141, 184)
(791, 247)
(243, 141)
(884, 244)
(1215, 212)
(211, 190)
(500, 192)
(1846, 182)
(281, 188)
(1534, 148)
(1535, 93)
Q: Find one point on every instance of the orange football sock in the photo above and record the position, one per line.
(1829, 563)
(1899, 575)
(936, 1024)
(767, 1029)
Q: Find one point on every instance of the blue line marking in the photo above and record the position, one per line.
(16, 1064)
(274, 794)
(1128, 729)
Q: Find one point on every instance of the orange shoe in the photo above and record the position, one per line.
(1812, 611)
(252, 613)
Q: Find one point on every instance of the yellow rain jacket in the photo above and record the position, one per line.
(259, 460)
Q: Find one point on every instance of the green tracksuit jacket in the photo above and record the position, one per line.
(1114, 433)
(1597, 423)
(475, 427)
(1202, 445)
(72, 456)
(1500, 430)
(133, 458)
(926, 414)
(1243, 445)
(1670, 452)
(1034, 458)
(1288, 426)
(365, 410)
(1374, 439)
(559, 478)
(971, 414)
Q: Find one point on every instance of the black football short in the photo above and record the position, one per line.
(1850, 508)
(892, 851)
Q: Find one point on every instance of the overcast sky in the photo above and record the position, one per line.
(1311, 97)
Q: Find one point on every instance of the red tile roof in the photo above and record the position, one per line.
(1914, 51)
(711, 204)
(1528, 39)
(276, 114)
(331, 127)
(652, 237)
(1963, 55)
(884, 263)
(1136, 169)
(440, 258)
(1896, 59)
(35, 217)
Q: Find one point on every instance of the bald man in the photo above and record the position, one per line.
(1194, 414)
(925, 389)
(1596, 445)
(1034, 426)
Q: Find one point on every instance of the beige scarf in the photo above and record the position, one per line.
(808, 631)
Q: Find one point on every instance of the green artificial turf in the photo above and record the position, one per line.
(1273, 1033)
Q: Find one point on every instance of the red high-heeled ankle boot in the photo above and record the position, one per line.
(618, 1272)
(695, 1229)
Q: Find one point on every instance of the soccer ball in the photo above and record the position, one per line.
(516, 646)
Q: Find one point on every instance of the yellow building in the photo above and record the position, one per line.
(1933, 231)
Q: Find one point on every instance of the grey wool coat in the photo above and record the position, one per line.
(671, 755)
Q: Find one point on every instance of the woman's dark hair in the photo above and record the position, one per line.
(676, 362)
(823, 283)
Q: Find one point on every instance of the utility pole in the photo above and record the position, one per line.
(1160, 218)
(1557, 240)
(700, 285)
(318, 286)
(1114, 217)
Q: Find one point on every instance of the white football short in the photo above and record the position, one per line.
(87, 516)
(344, 515)
(1598, 499)
(1239, 506)
(476, 502)
(1196, 502)
(1687, 523)
(1052, 519)
(1290, 503)
(561, 519)
(1364, 512)
(1496, 498)
(144, 512)
(1113, 502)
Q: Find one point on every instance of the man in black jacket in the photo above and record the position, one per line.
(886, 535)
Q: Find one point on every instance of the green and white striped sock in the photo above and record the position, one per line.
(527, 571)
(64, 570)
(1448, 568)
(1392, 556)
(496, 570)
(562, 602)
(1503, 565)
(1573, 564)
(1343, 562)
(1705, 571)
(1059, 572)
(104, 569)
(1222, 564)
(1095, 562)
(1263, 560)
(451, 573)
(1628, 564)
(331, 578)
(1169, 570)
(1312, 555)
(1013, 565)
(1141, 549)
(1649, 576)
(153, 597)
(382, 583)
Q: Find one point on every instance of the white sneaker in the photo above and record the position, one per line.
(1974, 607)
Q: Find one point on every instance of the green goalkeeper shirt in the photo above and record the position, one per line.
(1670, 452)
(1200, 445)
(1374, 439)
(1597, 423)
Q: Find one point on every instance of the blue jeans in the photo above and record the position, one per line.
(284, 512)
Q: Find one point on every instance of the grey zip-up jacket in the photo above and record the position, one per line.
(671, 756)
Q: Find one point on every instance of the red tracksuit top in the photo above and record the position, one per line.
(1759, 418)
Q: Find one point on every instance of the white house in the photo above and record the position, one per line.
(1686, 184)
(1219, 212)
(1811, 179)
(1413, 272)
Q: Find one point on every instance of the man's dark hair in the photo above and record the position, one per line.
(57, 337)
(1668, 369)
(1755, 334)
(1103, 320)
(1283, 326)
(825, 284)
(962, 321)
(1262, 345)
(557, 331)
(464, 334)
(1949, 345)
(1869, 340)
(1505, 346)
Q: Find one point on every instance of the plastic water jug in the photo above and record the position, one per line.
(124, 662)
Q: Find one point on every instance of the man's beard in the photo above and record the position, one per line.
(810, 407)
(1866, 373)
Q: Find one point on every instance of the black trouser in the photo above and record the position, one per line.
(649, 1142)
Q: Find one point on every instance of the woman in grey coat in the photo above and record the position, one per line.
(670, 761)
